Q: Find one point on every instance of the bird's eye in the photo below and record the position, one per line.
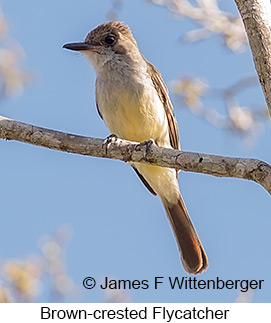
(109, 39)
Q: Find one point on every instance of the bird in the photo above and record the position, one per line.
(133, 101)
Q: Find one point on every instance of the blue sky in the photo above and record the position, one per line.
(119, 229)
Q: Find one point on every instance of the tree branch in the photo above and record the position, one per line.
(256, 15)
(220, 166)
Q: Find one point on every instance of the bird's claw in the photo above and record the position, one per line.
(109, 141)
(147, 144)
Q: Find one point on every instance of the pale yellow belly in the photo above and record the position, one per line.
(140, 118)
(137, 118)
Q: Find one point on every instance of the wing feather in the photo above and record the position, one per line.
(162, 91)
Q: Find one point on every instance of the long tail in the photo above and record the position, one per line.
(193, 256)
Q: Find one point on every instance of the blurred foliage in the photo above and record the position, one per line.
(25, 280)
(45, 275)
(117, 296)
(12, 77)
(245, 297)
(212, 20)
(244, 120)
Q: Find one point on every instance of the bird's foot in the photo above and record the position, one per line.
(147, 144)
(112, 139)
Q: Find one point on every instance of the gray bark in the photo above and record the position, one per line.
(256, 15)
(220, 166)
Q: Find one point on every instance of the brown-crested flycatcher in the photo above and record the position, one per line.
(134, 103)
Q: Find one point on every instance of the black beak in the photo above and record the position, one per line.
(78, 46)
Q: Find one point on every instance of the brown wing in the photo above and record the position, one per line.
(162, 91)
